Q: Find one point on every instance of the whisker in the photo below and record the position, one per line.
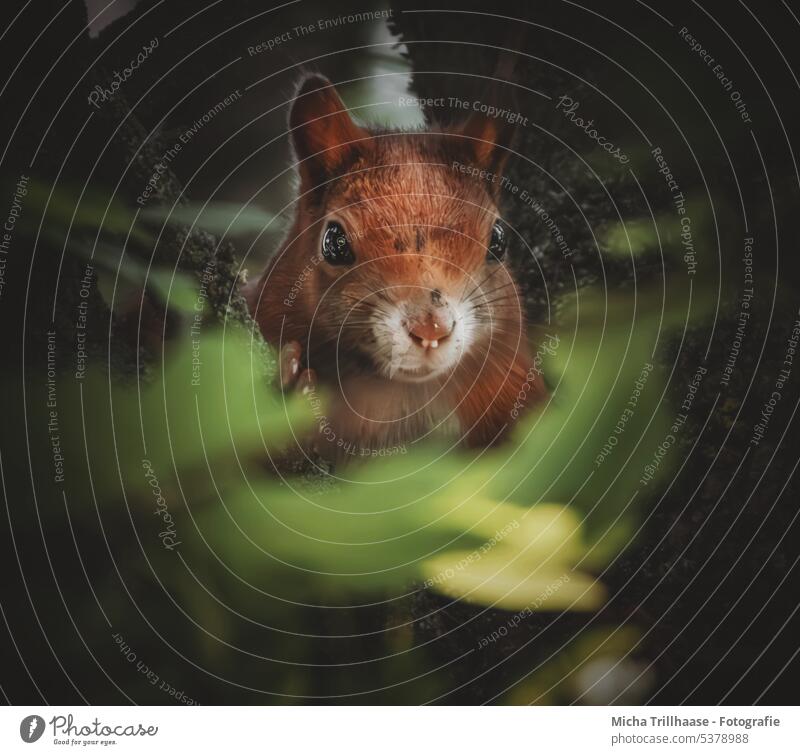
(487, 302)
(480, 283)
(492, 290)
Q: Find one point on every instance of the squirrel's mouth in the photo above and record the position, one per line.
(410, 347)
(432, 343)
(412, 359)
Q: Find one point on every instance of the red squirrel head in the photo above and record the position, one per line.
(394, 264)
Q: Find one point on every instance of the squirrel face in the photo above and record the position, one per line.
(390, 287)
(405, 274)
(404, 246)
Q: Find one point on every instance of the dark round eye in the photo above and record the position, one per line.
(335, 246)
(497, 243)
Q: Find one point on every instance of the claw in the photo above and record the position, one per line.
(290, 363)
(307, 382)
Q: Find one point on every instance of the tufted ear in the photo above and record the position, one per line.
(324, 135)
(490, 132)
(487, 141)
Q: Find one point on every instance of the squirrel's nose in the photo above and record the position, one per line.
(431, 330)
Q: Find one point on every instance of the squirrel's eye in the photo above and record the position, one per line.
(335, 246)
(497, 243)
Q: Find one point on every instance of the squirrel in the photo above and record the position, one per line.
(390, 291)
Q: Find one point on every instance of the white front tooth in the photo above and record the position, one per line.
(434, 344)
(425, 343)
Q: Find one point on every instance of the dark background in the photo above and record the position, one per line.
(705, 597)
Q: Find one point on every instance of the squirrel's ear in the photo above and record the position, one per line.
(323, 133)
(487, 141)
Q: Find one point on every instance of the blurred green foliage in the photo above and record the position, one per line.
(187, 458)
(183, 453)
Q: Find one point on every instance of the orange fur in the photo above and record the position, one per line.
(416, 225)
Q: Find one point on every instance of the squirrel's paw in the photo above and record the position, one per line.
(306, 382)
(289, 364)
(293, 377)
